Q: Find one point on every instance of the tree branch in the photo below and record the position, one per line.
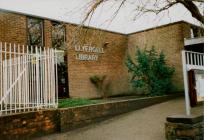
(188, 4)
(195, 12)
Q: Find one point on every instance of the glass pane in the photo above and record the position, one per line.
(35, 30)
(58, 36)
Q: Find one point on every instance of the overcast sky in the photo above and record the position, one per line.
(73, 11)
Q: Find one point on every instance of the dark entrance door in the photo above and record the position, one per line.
(192, 90)
(63, 89)
(59, 42)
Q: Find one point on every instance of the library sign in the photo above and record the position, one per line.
(88, 53)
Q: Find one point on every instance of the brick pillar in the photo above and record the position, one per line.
(47, 33)
(184, 128)
(1, 27)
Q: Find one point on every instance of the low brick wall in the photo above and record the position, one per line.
(34, 124)
(185, 128)
(26, 125)
(72, 118)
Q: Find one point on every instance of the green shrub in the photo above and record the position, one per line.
(101, 85)
(150, 71)
(97, 80)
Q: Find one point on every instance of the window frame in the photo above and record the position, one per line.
(42, 31)
(65, 32)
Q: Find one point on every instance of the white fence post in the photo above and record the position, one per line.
(185, 76)
(1, 73)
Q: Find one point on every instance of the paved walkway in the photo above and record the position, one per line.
(144, 124)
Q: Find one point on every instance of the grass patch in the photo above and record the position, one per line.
(63, 103)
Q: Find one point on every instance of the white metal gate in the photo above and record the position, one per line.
(27, 78)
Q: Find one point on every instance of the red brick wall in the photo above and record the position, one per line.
(27, 125)
(169, 39)
(110, 64)
(13, 28)
(47, 33)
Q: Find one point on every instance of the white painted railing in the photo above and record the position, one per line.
(194, 60)
(27, 78)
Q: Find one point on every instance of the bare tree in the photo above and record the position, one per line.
(156, 6)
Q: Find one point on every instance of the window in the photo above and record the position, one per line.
(196, 32)
(58, 36)
(35, 31)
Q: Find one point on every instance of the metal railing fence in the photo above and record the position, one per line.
(27, 78)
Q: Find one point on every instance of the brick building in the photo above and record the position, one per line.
(91, 51)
